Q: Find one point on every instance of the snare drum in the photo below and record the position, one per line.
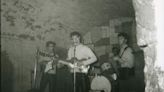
(101, 83)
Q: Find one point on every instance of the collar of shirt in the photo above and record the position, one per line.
(81, 52)
(77, 45)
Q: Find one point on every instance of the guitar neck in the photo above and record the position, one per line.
(63, 62)
(83, 69)
(46, 54)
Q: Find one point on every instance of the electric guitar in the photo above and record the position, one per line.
(82, 68)
(50, 64)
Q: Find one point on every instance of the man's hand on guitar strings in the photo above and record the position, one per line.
(79, 64)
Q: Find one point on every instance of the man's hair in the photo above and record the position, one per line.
(50, 42)
(75, 34)
(125, 35)
(78, 35)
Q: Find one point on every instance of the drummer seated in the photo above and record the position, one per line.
(110, 74)
(108, 71)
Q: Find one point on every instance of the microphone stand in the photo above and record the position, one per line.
(35, 69)
(74, 78)
(33, 78)
(74, 72)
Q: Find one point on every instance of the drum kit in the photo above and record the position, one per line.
(100, 82)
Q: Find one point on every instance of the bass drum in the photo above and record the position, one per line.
(100, 83)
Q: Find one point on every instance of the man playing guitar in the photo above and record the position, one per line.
(47, 65)
(81, 57)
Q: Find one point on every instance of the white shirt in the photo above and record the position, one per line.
(82, 52)
(127, 57)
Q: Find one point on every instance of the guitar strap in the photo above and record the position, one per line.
(123, 51)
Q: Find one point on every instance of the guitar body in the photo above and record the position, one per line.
(83, 69)
(73, 65)
(49, 64)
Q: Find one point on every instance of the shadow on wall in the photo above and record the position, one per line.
(139, 71)
(62, 52)
(7, 73)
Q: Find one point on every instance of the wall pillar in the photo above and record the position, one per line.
(147, 34)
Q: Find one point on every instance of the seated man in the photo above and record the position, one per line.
(110, 69)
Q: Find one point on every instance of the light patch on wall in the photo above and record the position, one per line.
(159, 15)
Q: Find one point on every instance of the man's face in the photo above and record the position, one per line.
(50, 47)
(121, 40)
(115, 52)
(75, 40)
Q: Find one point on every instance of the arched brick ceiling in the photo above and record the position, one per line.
(88, 13)
(68, 15)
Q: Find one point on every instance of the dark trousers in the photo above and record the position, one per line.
(64, 81)
(48, 79)
(126, 73)
(82, 82)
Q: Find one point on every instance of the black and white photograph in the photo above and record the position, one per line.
(82, 46)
